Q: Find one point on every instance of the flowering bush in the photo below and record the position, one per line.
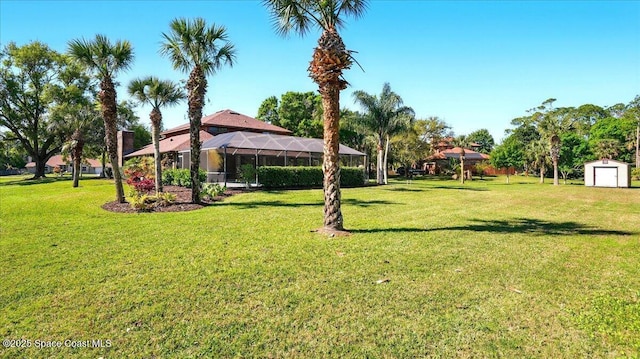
(139, 174)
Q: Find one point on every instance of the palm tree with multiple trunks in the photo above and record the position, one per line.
(106, 59)
(200, 50)
(384, 116)
(157, 93)
(329, 59)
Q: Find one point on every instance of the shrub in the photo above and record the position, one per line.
(138, 173)
(164, 199)
(143, 203)
(247, 172)
(181, 177)
(305, 177)
(212, 190)
(635, 173)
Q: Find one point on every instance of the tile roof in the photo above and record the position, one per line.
(232, 119)
(58, 160)
(455, 153)
(170, 144)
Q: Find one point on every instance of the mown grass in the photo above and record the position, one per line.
(482, 269)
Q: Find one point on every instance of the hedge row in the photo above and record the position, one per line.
(304, 177)
(181, 177)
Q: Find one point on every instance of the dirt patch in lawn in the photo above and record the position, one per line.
(182, 203)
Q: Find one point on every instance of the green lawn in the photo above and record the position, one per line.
(483, 269)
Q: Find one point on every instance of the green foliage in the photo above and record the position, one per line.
(142, 202)
(212, 190)
(299, 112)
(164, 199)
(181, 177)
(635, 174)
(247, 172)
(508, 154)
(609, 136)
(141, 135)
(574, 152)
(306, 177)
(483, 138)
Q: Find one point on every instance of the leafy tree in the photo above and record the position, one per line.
(74, 114)
(633, 112)
(201, 51)
(26, 76)
(508, 154)
(384, 116)
(574, 152)
(12, 154)
(268, 111)
(483, 138)
(330, 59)
(409, 147)
(432, 131)
(299, 112)
(157, 93)
(610, 134)
(106, 59)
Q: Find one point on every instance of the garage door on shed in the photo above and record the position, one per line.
(606, 176)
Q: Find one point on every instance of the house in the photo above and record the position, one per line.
(607, 173)
(89, 166)
(445, 150)
(230, 139)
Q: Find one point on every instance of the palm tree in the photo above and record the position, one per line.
(537, 153)
(329, 59)
(157, 93)
(200, 50)
(106, 59)
(384, 116)
(462, 142)
(78, 125)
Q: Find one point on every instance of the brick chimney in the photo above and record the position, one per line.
(125, 145)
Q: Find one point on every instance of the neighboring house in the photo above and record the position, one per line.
(230, 139)
(89, 166)
(445, 150)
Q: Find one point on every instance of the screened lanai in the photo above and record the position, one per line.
(222, 155)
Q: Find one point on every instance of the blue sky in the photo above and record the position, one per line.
(475, 64)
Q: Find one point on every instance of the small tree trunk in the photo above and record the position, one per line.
(76, 170)
(555, 172)
(386, 154)
(156, 120)
(508, 176)
(541, 174)
(462, 168)
(379, 164)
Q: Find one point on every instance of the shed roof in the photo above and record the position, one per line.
(271, 142)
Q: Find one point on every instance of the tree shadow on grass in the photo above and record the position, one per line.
(475, 189)
(277, 203)
(30, 181)
(403, 189)
(517, 225)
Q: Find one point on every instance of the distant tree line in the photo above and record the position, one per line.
(559, 140)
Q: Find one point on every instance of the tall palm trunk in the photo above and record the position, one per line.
(156, 120)
(462, 166)
(108, 103)
(331, 160)
(555, 171)
(330, 57)
(542, 174)
(638, 146)
(197, 88)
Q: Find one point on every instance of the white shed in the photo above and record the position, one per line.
(607, 173)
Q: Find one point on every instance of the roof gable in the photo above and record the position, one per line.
(232, 120)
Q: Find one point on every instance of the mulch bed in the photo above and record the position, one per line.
(182, 203)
